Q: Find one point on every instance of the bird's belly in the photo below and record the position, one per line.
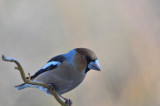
(63, 81)
(67, 85)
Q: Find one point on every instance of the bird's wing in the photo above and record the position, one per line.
(50, 65)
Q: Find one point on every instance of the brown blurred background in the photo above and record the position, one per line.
(123, 33)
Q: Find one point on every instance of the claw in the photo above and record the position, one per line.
(51, 88)
(67, 101)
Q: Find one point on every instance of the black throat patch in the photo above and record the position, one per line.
(88, 61)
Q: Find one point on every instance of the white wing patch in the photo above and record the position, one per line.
(51, 63)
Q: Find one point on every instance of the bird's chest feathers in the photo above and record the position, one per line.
(69, 85)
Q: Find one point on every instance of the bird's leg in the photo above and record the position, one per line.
(51, 87)
(67, 101)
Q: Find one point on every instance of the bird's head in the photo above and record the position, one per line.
(90, 58)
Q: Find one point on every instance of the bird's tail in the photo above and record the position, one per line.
(22, 86)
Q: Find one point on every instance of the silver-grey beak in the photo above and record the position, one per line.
(94, 65)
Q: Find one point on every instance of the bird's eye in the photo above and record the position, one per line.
(88, 59)
(93, 60)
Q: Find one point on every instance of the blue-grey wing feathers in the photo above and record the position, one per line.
(51, 64)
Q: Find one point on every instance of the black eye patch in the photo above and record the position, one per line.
(88, 59)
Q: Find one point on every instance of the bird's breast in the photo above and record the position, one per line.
(64, 78)
(68, 85)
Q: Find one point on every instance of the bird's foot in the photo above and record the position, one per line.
(51, 88)
(67, 101)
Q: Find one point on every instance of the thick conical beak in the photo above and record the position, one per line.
(94, 65)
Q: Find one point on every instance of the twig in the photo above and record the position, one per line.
(29, 81)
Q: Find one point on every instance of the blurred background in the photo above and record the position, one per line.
(123, 33)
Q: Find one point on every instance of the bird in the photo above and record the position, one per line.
(66, 71)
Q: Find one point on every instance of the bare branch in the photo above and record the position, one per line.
(29, 81)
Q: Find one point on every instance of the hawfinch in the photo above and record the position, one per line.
(65, 71)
